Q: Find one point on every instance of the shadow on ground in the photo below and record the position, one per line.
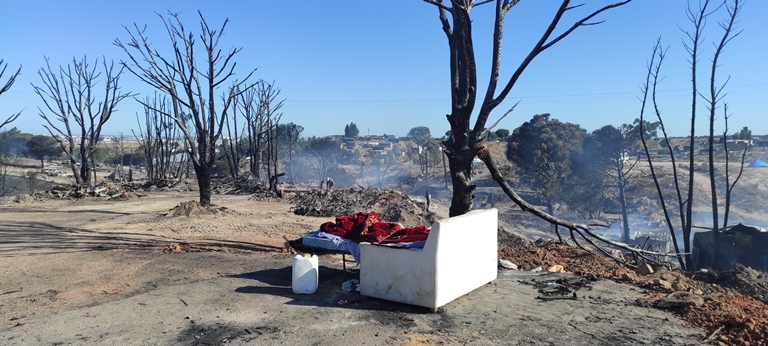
(28, 238)
(329, 293)
(34, 238)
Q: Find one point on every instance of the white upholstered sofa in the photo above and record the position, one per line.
(460, 255)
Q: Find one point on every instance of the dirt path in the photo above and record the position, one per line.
(96, 273)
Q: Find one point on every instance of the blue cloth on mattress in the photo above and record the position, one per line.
(328, 241)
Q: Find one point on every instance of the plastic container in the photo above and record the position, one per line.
(305, 274)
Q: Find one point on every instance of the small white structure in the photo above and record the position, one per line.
(460, 255)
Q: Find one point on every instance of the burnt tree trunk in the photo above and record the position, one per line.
(203, 183)
(622, 182)
(461, 178)
(85, 171)
(75, 171)
(465, 141)
(460, 145)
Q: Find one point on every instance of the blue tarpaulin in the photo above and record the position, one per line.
(758, 163)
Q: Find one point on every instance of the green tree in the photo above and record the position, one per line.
(13, 142)
(420, 134)
(542, 151)
(502, 134)
(351, 130)
(43, 147)
(650, 129)
(745, 133)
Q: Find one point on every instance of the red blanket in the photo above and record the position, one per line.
(368, 227)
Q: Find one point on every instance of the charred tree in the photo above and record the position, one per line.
(465, 141)
(268, 110)
(231, 144)
(256, 129)
(649, 90)
(730, 185)
(684, 205)
(290, 134)
(73, 113)
(161, 142)
(190, 86)
(7, 86)
(715, 96)
(322, 154)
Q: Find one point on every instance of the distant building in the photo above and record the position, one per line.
(737, 145)
(349, 142)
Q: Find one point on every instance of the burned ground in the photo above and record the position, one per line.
(729, 306)
(116, 236)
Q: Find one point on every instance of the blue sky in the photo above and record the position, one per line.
(384, 65)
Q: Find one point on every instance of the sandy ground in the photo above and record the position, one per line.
(95, 272)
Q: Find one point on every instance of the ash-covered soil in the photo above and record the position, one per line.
(151, 268)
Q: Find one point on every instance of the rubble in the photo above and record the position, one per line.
(744, 280)
(730, 305)
(680, 299)
(507, 265)
(662, 284)
(191, 208)
(556, 269)
(390, 205)
(243, 184)
(114, 190)
(644, 269)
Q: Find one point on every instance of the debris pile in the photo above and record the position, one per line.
(191, 208)
(161, 185)
(565, 287)
(106, 190)
(729, 305)
(113, 190)
(243, 184)
(390, 205)
(25, 198)
(731, 319)
(744, 280)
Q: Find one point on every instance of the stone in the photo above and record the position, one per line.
(537, 269)
(556, 269)
(679, 286)
(680, 299)
(644, 269)
(662, 283)
(507, 265)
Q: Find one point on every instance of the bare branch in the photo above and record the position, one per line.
(482, 135)
(543, 44)
(5, 88)
(191, 85)
(485, 156)
(651, 79)
(439, 4)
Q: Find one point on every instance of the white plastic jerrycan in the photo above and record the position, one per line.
(305, 274)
